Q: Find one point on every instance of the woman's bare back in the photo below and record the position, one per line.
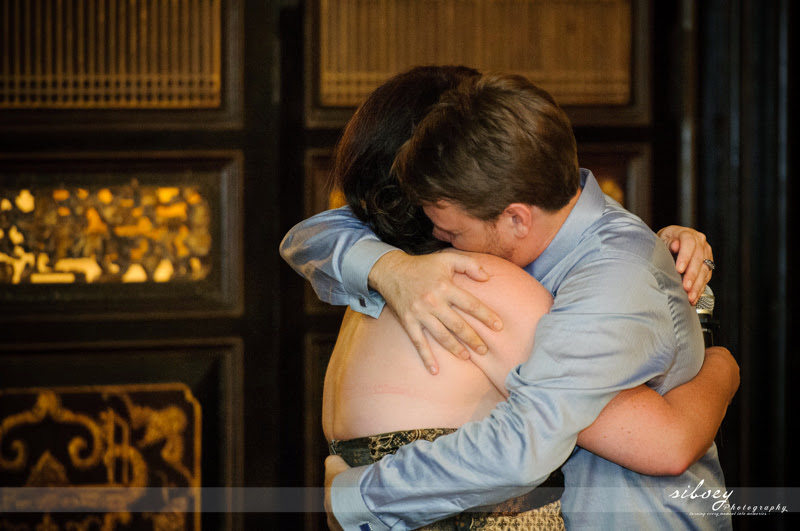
(376, 382)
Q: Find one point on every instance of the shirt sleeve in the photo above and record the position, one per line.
(610, 329)
(335, 252)
(348, 505)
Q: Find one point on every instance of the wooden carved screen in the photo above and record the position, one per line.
(587, 53)
(135, 449)
(110, 54)
(123, 270)
(118, 232)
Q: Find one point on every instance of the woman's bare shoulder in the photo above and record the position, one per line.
(507, 281)
(519, 300)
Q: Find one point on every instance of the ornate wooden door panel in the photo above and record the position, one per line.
(136, 278)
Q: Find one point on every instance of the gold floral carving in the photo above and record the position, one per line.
(139, 436)
(48, 404)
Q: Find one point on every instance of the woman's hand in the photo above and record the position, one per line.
(691, 249)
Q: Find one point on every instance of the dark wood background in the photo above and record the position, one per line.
(725, 68)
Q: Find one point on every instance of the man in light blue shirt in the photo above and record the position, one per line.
(494, 165)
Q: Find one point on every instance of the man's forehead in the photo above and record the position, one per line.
(450, 217)
(443, 211)
(445, 207)
(439, 204)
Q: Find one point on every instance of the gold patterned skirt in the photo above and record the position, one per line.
(540, 509)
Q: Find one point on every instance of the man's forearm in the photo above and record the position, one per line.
(334, 252)
(663, 436)
(709, 393)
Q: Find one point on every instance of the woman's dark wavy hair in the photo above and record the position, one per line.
(365, 154)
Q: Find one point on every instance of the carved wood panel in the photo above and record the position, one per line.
(590, 54)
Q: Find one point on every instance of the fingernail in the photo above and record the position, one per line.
(481, 349)
(498, 325)
(433, 369)
(687, 284)
(681, 265)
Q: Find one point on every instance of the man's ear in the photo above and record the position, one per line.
(521, 218)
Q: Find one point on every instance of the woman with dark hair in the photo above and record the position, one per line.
(366, 152)
(379, 397)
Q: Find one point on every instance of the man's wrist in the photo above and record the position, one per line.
(348, 505)
(383, 269)
(356, 265)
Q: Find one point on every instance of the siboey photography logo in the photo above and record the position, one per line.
(718, 497)
(720, 502)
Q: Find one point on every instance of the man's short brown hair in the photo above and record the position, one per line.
(492, 141)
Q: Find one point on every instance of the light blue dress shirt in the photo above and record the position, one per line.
(620, 318)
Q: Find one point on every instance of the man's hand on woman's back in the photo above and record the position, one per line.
(420, 291)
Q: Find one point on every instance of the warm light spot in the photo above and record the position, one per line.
(96, 225)
(135, 273)
(157, 234)
(15, 236)
(126, 203)
(164, 271)
(137, 212)
(5, 204)
(180, 246)
(165, 195)
(2, 234)
(19, 262)
(88, 266)
(140, 229)
(25, 201)
(41, 263)
(194, 198)
(201, 243)
(613, 190)
(105, 196)
(199, 269)
(64, 211)
(178, 210)
(82, 194)
(113, 268)
(139, 252)
(148, 200)
(337, 199)
(52, 278)
(60, 195)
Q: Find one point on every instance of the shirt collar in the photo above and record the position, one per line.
(587, 210)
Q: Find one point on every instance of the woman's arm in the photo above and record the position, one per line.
(663, 436)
